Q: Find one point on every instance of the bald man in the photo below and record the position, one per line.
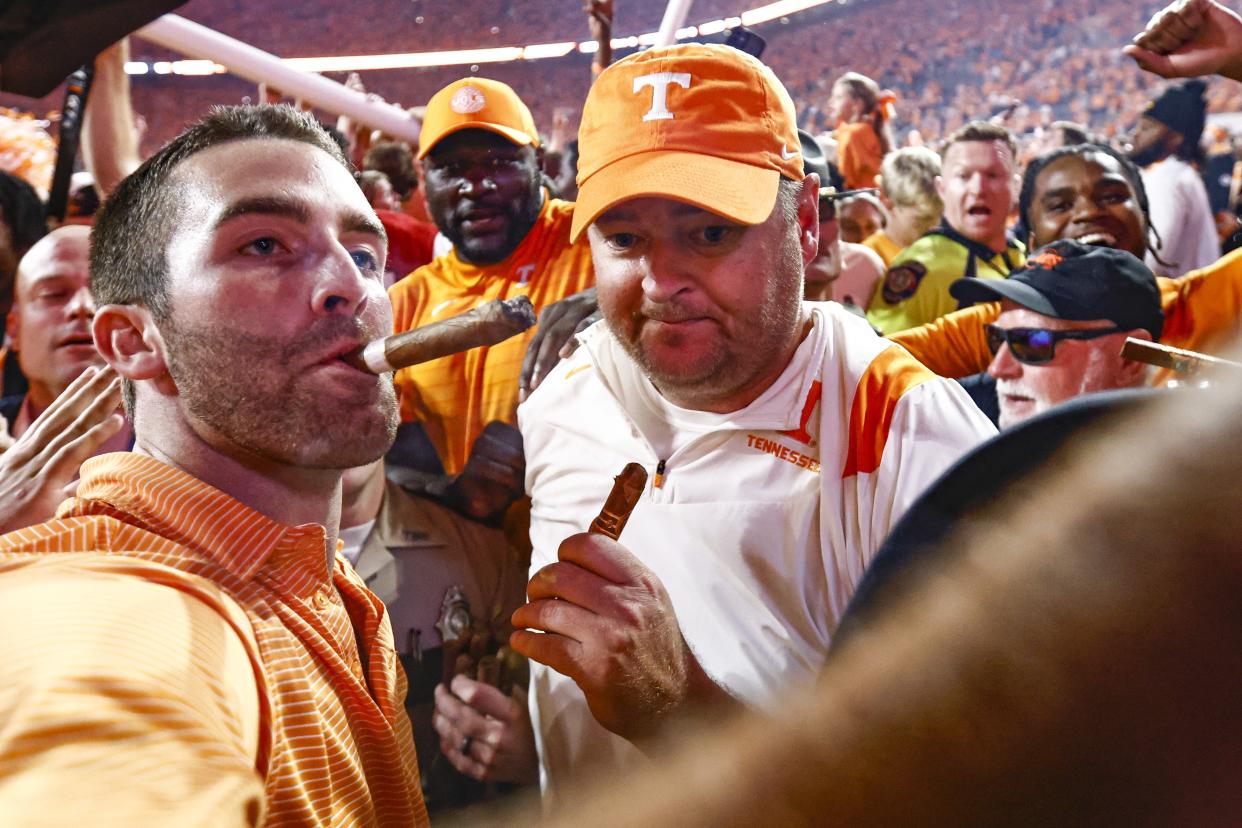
(49, 326)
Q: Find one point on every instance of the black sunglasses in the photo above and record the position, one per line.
(1034, 346)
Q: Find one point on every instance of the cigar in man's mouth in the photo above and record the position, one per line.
(488, 324)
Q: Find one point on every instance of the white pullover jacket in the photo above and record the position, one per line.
(759, 523)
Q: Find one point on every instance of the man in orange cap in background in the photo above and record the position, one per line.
(782, 438)
(480, 154)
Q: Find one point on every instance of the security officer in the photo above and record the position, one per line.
(978, 184)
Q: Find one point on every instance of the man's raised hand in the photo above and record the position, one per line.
(1191, 38)
(40, 469)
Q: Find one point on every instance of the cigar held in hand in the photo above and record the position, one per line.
(627, 488)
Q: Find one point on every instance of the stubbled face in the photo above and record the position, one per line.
(978, 186)
(859, 220)
(1087, 198)
(825, 268)
(483, 192)
(843, 105)
(1079, 366)
(275, 271)
(1151, 142)
(710, 309)
(50, 323)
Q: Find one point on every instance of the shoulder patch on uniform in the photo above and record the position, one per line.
(887, 379)
(902, 281)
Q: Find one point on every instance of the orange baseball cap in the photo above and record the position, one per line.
(704, 124)
(476, 103)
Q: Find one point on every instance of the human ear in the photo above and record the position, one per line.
(808, 218)
(128, 339)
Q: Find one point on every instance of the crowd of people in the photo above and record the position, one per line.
(261, 567)
(1037, 63)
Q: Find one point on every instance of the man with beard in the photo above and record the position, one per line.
(1165, 143)
(782, 438)
(978, 183)
(1093, 194)
(181, 644)
(1064, 317)
(480, 154)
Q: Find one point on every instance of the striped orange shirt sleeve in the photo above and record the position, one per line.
(124, 702)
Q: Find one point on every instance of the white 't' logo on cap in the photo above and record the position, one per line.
(466, 100)
(659, 83)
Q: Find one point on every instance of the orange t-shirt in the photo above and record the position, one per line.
(455, 396)
(197, 664)
(858, 154)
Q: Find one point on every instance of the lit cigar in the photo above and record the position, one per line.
(626, 490)
(1175, 359)
(488, 324)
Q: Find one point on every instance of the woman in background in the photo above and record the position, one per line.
(861, 111)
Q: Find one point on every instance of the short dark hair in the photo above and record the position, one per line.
(1128, 168)
(135, 224)
(23, 212)
(396, 161)
(132, 230)
(1074, 133)
(981, 131)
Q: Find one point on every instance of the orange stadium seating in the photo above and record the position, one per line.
(948, 62)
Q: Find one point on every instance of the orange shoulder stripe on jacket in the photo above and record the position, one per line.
(889, 376)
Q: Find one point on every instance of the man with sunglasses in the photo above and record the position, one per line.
(1064, 317)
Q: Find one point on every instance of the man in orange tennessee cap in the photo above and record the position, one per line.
(480, 154)
(782, 439)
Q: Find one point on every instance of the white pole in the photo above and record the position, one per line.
(675, 14)
(189, 38)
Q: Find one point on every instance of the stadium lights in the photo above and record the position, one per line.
(197, 67)
(548, 50)
(409, 60)
(772, 11)
(504, 54)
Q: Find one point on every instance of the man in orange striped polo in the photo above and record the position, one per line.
(783, 439)
(181, 645)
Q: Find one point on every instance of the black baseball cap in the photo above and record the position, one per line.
(1182, 108)
(1071, 280)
